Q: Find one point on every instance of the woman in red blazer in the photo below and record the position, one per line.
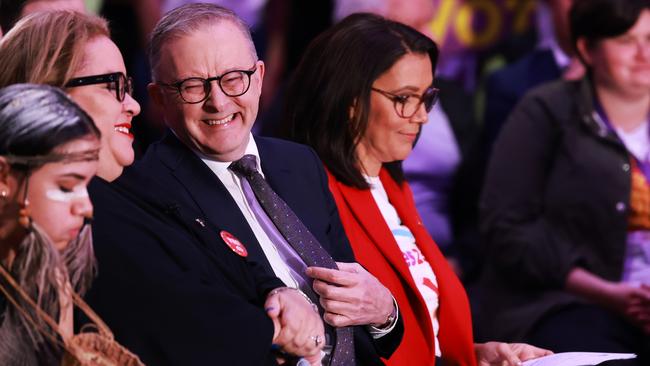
(372, 81)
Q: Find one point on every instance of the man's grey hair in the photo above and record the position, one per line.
(187, 19)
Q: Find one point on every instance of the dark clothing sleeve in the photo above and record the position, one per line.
(368, 348)
(341, 250)
(166, 295)
(499, 102)
(507, 86)
(523, 238)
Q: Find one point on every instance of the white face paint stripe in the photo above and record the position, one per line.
(60, 196)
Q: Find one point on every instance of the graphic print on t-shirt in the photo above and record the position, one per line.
(419, 267)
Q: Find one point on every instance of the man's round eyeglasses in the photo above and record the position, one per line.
(406, 105)
(117, 81)
(195, 90)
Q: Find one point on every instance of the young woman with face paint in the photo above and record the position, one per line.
(49, 151)
(48, 154)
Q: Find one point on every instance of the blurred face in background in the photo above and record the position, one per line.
(560, 12)
(42, 5)
(415, 13)
(622, 63)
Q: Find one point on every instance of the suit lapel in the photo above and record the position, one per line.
(210, 196)
(285, 182)
(275, 171)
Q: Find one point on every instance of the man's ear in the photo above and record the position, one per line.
(261, 69)
(584, 51)
(156, 94)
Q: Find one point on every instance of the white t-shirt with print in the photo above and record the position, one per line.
(419, 267)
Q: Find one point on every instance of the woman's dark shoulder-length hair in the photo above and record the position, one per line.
(328, 99)
(595, 20)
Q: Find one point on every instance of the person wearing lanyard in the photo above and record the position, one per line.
(565, 210)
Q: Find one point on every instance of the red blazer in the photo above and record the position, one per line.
(376, 249)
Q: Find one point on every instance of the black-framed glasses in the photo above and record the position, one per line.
(232, 83)
(406, 105)
(118, 81)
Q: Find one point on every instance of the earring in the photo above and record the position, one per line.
(4, 193)
(24, 218)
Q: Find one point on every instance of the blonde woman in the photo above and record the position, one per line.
(74, 51)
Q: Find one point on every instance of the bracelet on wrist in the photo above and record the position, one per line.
(281, 289)
(390, 319)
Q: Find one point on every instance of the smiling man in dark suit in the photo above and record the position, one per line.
(207, 81)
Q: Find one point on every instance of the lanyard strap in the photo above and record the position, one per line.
(643, 165)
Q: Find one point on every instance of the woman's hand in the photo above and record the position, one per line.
(639, 311)
(506, 354)
(299, 330)
(632, 302)
(351, 295)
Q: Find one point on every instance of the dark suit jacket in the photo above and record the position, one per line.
(295, 173)
(169, 287)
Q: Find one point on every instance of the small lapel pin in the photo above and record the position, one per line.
(200, 222)
(233, 243)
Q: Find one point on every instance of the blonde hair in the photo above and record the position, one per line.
(47, 47)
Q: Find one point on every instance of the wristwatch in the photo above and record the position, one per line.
(391, 318)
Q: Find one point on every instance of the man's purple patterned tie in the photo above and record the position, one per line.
(297, 234)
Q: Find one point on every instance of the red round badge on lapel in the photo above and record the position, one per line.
(233, 243)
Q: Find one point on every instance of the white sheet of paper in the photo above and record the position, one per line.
(577, 359)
